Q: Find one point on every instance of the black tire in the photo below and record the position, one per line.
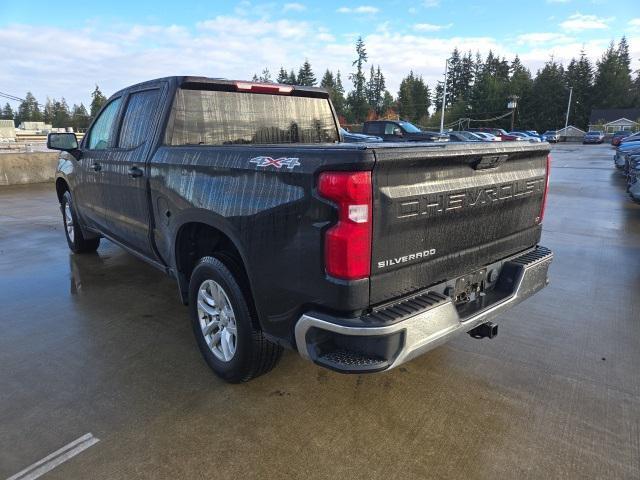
(254, 354)
(77, 243)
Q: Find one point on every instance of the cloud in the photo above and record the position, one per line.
(39, 58)
(364, 9)
(634, 22)
(578, 22)
(542, 38)
(430, 27)
(430, 3)
(294, 7)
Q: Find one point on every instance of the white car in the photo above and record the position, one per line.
(525, 136)
(488, 136)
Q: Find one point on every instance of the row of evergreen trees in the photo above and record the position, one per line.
(477, 89)
(55, 112)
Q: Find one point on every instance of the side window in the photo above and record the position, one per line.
(100, 134)
(138, 119)
(388, 128)
(376, 128)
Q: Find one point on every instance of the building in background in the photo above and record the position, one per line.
(615, 119)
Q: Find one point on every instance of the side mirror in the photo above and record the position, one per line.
(66, 142)
(397, 131)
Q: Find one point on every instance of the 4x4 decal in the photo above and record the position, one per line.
(264, 162)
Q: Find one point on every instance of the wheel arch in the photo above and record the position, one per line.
(199, 235)
(61, 186)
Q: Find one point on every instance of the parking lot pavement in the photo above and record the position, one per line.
(101, 344)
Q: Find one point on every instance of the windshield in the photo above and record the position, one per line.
(209, 117)
(594, 133)
(409, 127)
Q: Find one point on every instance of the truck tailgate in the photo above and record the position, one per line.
(441, 211)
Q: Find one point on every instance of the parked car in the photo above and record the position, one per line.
(498, 132)
(468, 136)
(460, 137)
(634, 189)
(618, 136)
(487, 136)
(625, 150)
(401, 131)
(350, 137)
(551, 136)
(280, 236)
(525, 136)
(634, 137)
(593, 136)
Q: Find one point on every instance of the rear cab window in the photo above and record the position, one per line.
(216, 117)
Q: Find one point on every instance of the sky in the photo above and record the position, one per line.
(65, 51)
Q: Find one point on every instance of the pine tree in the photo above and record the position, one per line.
(283, 76)
(264, 77)
(421, 98)
(339, 101)
(28, 110)
(292, 78)
(357, 99)
(306, 76)
(414, 99)
(375, 89)
(612, 83)
(47, 111)
(79, 117)
(520, 85)
(406, 104)
(336, 92)
(551, 94)
(97, 102)
(491, 89)
(7, 112)
(61, 115)
(579, 76)
(454, 72)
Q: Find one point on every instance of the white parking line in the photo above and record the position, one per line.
(61, 455)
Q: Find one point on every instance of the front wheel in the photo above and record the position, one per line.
(224, 326)
(75, 239)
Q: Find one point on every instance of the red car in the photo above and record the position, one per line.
(618, 136)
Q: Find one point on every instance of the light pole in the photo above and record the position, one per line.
(513, 104)
(566, 120)
(444, 95)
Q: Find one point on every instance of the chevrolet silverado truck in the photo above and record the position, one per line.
(359, 256)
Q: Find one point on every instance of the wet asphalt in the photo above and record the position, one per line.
(101, 344)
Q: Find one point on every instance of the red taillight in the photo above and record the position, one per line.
(546, 191)
(347, 245)
(263, 88)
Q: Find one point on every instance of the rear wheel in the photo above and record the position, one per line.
(224, 326)
(75, 239)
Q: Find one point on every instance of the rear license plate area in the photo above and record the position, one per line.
(469, 287)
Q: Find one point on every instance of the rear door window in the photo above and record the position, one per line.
(102, 130)
(375, 129)
(138, 119)
(208, 117)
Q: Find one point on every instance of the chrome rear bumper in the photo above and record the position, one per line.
(416, 334)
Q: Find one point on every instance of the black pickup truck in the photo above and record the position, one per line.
(359, 256)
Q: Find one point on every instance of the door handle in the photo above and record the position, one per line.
(135, 172)
(96, 167)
